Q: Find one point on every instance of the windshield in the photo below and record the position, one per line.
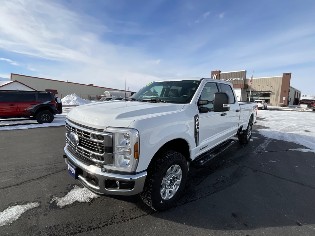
(168, 91)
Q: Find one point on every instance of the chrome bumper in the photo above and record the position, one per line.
(101, 176)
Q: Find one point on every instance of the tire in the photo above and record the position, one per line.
(44, 117)
(245, 135)
(165, 181)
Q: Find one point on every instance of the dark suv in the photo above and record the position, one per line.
(41, 106)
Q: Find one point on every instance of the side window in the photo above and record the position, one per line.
(44, 97)
(7, 97)
(227, 89)
(26, 97)
(208, 94)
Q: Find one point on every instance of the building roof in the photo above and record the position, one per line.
(92, 85)
(4, 83)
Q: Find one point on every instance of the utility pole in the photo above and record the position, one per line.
(250, 88)
(125, 89)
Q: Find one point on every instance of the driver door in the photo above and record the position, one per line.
(210, 123)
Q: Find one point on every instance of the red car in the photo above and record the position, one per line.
(41, 106)
(309, 102)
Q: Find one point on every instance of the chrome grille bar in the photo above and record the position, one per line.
(93, 145)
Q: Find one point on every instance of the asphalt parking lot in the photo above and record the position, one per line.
(264, 188)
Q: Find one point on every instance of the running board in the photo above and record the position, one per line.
(205, 158)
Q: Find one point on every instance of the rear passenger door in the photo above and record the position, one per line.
(25, 101)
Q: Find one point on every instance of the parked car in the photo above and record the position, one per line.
(38, 105)
(147, 144)
(309, 103)
(261, 104)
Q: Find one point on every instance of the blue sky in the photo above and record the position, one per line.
(107, 42)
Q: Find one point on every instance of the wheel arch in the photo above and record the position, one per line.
(179, 145)
(45, 108)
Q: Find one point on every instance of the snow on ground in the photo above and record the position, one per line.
(291, 126)
(77, 194)
(7, 124)
(14, 212)
(73, 99)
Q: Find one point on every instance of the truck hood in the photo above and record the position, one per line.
(119, 114)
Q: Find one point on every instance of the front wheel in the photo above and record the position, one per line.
(166, 181)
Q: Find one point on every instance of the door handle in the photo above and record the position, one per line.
(223, 114)
(11, 105)
(237, 110)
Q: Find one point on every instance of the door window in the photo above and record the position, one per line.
(26, 97)
(208, 94)
(7, 97)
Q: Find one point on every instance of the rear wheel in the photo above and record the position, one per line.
(166, 181)
(245, 135)
(44, 117)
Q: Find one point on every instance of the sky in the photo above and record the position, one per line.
(108, 42)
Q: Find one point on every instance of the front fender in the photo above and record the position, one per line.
(156, 132)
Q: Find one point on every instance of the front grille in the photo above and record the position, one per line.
(89, 146)
(80, 157)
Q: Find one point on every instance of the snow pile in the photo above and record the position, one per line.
(13, 213)
(291, 126)
(74, 99)
(77, 194)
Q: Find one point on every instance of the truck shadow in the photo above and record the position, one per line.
(237, 192)
(244, 188)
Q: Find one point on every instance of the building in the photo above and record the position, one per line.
(64, 88)
(275, 90)
(294, 96)
(14, 85)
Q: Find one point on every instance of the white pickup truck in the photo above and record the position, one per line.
(147, 144)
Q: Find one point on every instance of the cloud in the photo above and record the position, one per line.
(53, 41)
(206, 14)
(202, 18)
(11, 62)
(4, 76)
(48, 31)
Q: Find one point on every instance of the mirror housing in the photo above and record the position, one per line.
(221, 102)
(201, 104)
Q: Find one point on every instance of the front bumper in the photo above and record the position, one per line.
(102, 182)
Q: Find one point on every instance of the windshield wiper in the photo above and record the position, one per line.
(156, 100)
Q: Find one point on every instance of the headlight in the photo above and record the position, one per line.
(125, 149)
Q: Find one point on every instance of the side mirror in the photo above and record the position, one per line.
(201, 104)
(221, 102)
